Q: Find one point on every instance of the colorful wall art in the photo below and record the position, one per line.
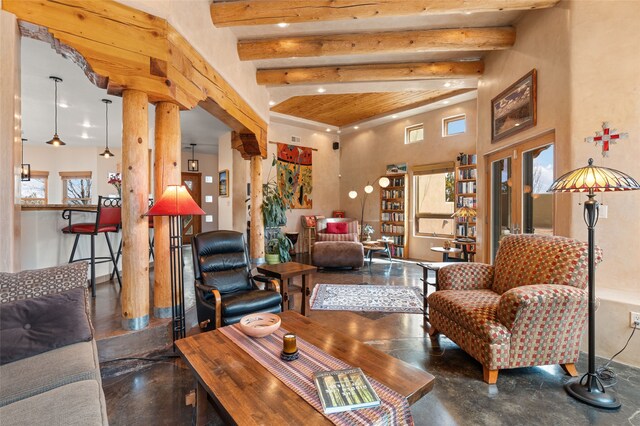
(294, 174)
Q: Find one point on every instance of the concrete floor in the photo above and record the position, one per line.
(144, 393)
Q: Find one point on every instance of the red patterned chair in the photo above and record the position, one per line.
(528, 309)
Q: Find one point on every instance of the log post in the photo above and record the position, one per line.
(166, 170)
(135, 203)
(257, 222)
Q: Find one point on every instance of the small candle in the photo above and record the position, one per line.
(289, 343)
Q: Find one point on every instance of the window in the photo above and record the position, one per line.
(35, 191)
(454, 125)
(76, 187)
(434, 203)
(413, 134)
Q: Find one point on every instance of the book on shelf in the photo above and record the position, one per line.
(344, 390)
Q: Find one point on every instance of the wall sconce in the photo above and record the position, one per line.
(192, 164)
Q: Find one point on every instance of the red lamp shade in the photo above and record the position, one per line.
(175, 201)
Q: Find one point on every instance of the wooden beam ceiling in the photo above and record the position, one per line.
(373, 72)
(259, 12)
(121, 48)
(451, 40)
(343, 109)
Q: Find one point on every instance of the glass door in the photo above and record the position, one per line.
(519, 177)
(191, 225)
(501, 202)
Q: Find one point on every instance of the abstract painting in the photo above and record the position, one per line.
(294, 174)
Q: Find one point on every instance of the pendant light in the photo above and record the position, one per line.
(192, 164)
(56, 141)
(25, 169)
(106, 153)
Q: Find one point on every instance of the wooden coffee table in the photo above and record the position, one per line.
(245, 393)
(284, 272)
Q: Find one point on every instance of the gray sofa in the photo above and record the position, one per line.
(60, 384)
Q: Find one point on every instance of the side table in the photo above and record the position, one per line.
(446, 252)
(426, 282)
(375, 247)
(284, 272)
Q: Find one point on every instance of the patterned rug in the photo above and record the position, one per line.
(366, 298)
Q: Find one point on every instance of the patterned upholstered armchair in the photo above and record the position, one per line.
(528, 309)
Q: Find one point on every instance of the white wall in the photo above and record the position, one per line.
(225, 162)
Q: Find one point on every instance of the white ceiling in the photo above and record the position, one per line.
(82, 123)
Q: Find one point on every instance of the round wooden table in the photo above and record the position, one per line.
(446, 252)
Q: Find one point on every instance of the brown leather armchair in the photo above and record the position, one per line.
(225, 289)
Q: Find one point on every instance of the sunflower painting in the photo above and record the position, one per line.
(294, 174)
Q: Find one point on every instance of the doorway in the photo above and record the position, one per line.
(192, 225)
(519, 177)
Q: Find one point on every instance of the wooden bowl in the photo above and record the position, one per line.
(260, 324)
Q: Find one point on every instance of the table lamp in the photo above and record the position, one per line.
(466, 213)
(176, 202)
(591, 179)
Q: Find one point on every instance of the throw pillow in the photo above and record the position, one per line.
(310, 221)
(33, 326)
(337, 228)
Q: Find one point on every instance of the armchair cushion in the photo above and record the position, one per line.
(222, 261)
(323, 236)
(465, 276)
(475, 311)
(246, 302)
(537, 259)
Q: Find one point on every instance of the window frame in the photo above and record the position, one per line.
(447, 120)
(37, 174)
(430, 169)
(66, 176)
(408, 129)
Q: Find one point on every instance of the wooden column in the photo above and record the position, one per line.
(10, 135)
(166, 170)
(257, 223)
(135, 202)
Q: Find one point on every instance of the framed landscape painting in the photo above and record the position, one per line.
(514, 109)
(223, 183)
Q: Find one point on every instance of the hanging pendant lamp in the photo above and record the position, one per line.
(106, 153)
(56, 141)
(25, 169)
(192, 164)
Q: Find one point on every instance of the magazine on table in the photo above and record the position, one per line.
(344, 390)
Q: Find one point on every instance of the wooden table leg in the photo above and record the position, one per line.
(289, 298)
(201, 405)
(284, 288)
(307, 282)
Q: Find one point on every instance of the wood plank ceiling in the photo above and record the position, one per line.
(368, 58)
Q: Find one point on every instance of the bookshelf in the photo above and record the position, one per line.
(465, 190)
(393, 215)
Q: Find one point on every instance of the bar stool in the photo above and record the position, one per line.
(151, 241)
(107, 219)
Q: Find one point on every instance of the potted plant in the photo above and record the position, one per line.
(278, 249)
(368, 231)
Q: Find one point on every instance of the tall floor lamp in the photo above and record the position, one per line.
(176, 202)
(591, 179)
(368, 189)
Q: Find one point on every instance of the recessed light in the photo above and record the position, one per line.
(321, 90)
(328, 130)
(356, 127)
(86, 125)
(445, 102)
(339, 131)
(63, 105)
(84, 135)
(447, 84)
(282, 24)
(517, 124)
(394, 116)
(272, 103)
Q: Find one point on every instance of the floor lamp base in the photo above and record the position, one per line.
(590, 390)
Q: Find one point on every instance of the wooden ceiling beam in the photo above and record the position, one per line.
(259, 12)
(373, 72)
(457, 39)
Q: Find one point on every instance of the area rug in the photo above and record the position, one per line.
(366, 298)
